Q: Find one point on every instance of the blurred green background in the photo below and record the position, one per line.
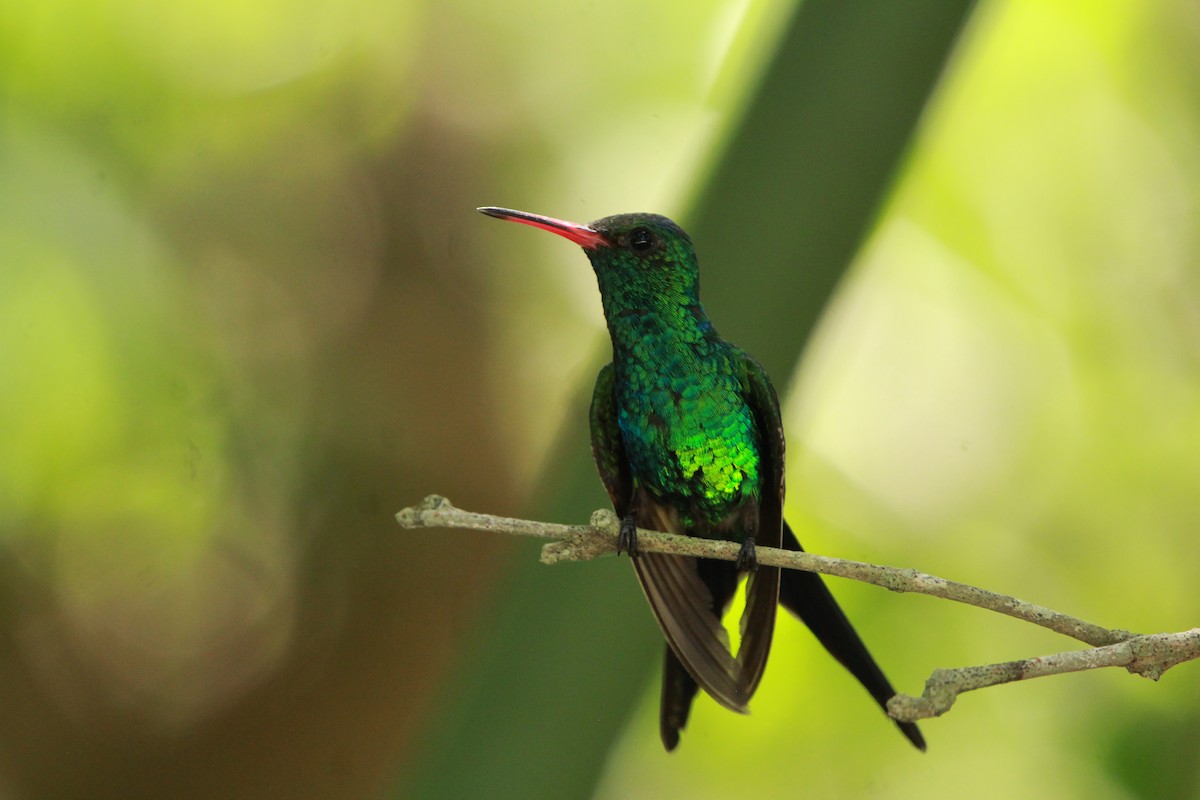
(247, 312)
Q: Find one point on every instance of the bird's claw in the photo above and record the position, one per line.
(747, 560)
(627, 537)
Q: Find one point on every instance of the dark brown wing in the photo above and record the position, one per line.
(678, 686)
(684, 607)
(762, 592)
(607, 449)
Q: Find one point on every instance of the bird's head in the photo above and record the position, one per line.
(642, 261)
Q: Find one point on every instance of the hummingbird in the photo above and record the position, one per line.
(687, 437)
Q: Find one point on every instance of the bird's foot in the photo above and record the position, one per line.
(627, 537)
(747, 561)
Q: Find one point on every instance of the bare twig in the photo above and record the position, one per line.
(584, 542)
(1149, 655)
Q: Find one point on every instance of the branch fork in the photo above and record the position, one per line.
(1146, 655)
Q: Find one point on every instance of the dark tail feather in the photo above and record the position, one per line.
(678, 691)
(806, 596)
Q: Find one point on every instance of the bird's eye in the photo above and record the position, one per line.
(641, 239)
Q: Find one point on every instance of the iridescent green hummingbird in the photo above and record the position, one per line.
(687, 437)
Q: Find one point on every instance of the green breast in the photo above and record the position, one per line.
(688, 433)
